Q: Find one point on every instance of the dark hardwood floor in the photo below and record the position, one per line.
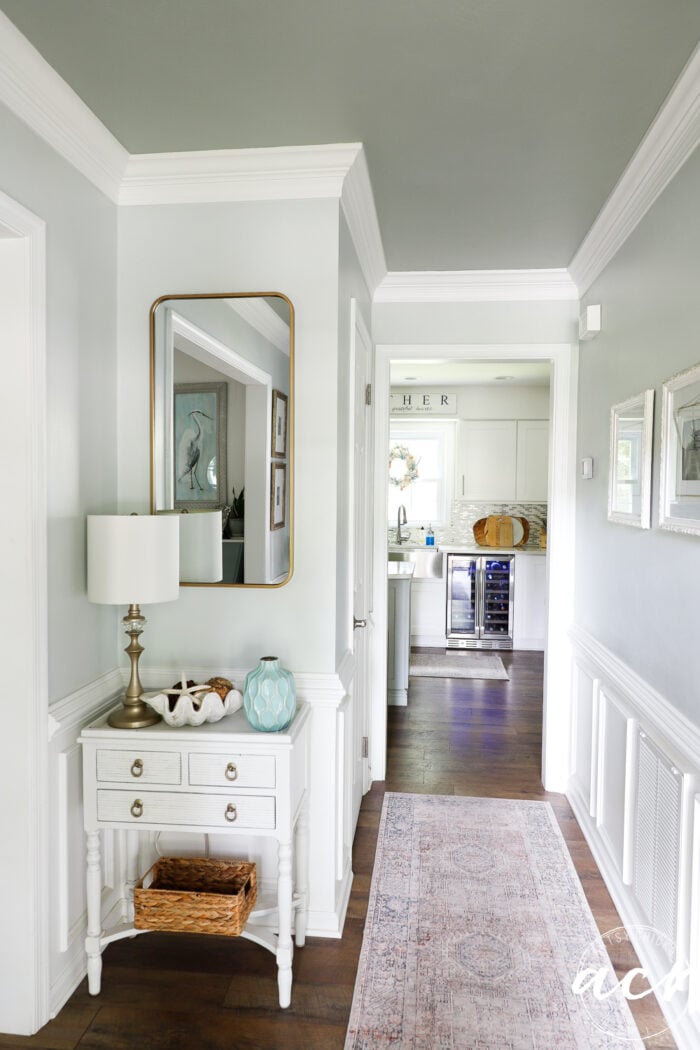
(180, 992)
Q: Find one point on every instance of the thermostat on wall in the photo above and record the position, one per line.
(587, 467)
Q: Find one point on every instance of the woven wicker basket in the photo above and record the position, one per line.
(196, 895)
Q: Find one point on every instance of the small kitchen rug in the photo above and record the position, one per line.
(457, 665)
(477, 928)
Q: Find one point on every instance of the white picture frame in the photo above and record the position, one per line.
(679, 496)
(629, 478)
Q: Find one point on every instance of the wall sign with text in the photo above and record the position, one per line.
(423, 403)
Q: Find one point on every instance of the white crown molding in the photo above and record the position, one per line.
(671, 139)
(357, 202)
(260, 316)
(477, 286)
(35, 93)
(215, 176)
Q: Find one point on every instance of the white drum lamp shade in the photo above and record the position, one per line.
(201, 549)
(133, 558)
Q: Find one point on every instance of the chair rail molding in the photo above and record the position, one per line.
(618, 678)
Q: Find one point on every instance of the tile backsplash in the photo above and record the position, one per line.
(459, 533)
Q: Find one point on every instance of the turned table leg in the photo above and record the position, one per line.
(302, 874)
(285, 946)
(93, 947)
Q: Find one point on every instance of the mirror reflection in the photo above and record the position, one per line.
(221, 432)
(629, 485)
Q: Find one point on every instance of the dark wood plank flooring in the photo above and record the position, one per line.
(172, 992)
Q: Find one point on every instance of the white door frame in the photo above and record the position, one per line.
(560, 538)
(24, 880)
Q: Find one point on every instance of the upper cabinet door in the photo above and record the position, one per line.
(486, 460)
(532, 471)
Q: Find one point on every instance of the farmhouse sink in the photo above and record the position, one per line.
(427, 561)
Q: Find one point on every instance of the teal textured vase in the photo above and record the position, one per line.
(269, 696)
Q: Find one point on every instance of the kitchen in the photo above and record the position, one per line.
(467, 509)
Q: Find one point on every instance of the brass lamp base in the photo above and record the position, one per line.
(134, 714)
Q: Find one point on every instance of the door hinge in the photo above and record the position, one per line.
(365, 747)
(368, 394)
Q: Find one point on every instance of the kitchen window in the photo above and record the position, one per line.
(421, 469)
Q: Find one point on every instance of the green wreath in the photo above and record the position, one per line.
(402, 478)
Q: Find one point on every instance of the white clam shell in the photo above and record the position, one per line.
(212, 708)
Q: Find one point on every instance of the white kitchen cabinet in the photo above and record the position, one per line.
(503, 460)
(530, 603)
(486, 459)
(532, 460)
(428, 612)
(398, 632)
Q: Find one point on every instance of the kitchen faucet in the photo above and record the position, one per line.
(399, 523)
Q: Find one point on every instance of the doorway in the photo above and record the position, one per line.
(563, 360)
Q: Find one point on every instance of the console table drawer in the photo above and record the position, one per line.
(143, 767)
(165, 808)
(249, 771)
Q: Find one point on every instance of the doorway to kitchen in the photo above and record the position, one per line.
(561, 359)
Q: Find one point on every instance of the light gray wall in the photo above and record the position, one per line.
(636, 590)
(450, 323)
(81, 232)
(289, 247)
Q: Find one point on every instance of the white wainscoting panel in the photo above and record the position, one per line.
(612, 755)
(584, 718)
(640, 813)
(67, 840)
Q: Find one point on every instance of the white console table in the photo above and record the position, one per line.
(221, 777)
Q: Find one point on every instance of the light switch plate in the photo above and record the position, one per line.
(587, 468)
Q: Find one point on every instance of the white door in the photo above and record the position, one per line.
(361, 349)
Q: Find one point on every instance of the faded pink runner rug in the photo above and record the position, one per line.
(476, 929)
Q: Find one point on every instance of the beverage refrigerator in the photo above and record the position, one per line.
(480, 601)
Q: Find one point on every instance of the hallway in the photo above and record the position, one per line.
(172, 992)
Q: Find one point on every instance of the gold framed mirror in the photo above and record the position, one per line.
(222, 433)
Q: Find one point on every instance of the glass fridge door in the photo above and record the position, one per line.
(462, 597)
(497, 585)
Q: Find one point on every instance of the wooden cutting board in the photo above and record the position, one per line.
(501, 530)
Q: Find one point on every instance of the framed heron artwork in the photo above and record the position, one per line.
(199, 443)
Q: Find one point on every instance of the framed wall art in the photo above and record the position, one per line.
(629, 481)
(679, 508)
(279, 424)
(278, 495)
(199, 443)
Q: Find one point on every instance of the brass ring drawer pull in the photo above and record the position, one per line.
(137, 767)
(137, 808)
(231, 772)
(230, 813)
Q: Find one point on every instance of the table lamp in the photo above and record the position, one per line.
(133, 559)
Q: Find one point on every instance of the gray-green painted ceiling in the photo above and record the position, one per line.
(494, 129)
